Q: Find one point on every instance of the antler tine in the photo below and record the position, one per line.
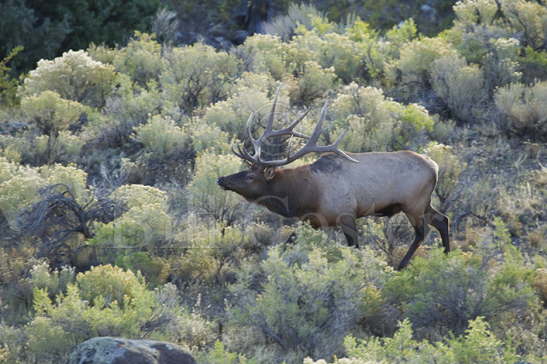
(269, 125)
(242, 154)
(318, 128)
(256, 142)
(311, 145)
(289, 129)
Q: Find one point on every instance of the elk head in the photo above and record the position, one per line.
(256, 182)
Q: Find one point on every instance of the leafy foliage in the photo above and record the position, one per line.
(112, 222)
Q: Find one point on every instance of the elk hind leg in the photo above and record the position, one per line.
(421, 230)
(349, 228)
(440, 222)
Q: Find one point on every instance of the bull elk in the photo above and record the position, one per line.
(339, 187)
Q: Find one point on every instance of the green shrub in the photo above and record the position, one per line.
(74, 76)
(527, 18)
(53, 282)
(314, 82)
(141, 59)
(219, 355)
(262, 53)
(285, 26)
(66, 148)
(143, 227)
(250, 95)
(144, 224)
(138, 196)
(161, 136)
(111, 285)
(207, 137)
(205, 197)
(474, 12)
(73, 178)
(477, 345)
(52, 114)
(212, 253)
(19, 191)
(196, 76)
(450, 168)
(524, 108)
(308, 299)
(376, 122)
(461, 86)
(334, 50)
(8, 84)
(415, 63)
(105, 301)
(442, 293)
(533, 65)
(154, 269)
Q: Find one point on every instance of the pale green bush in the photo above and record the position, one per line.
(284, 26)
(105, 301)
(161, 136)
(133, 104)
(416, 59)
(52, 115)
(262, 53)
(474, 11)
(67, 148)
(477, 345)
(250, 95)
(138, 196)
(375, 122)
(145, 226)
(102, 53)
(338, 51)
(205, 196)
(197, 75)
(528, 18)
(207, 137)
(312, 83)
(450, 168)
(219, 355)
(442, 293)
(140, 59)
(308, 300)
(72, 177)
(110, 284)
(214, 250)
(19, 191)
(53, 282)
(524, 108)
(74, 76)
(185, 326)
(461, 86)
(494, 48)
(7, 169)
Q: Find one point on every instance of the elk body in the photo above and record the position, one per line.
(340, 187)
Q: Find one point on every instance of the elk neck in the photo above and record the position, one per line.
(292, 192)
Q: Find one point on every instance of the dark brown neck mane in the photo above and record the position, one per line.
(292, 192)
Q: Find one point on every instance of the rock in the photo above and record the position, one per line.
(114, 350)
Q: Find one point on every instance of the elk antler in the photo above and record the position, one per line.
(310, 146)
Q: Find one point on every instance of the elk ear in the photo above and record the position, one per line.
(269, 173)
